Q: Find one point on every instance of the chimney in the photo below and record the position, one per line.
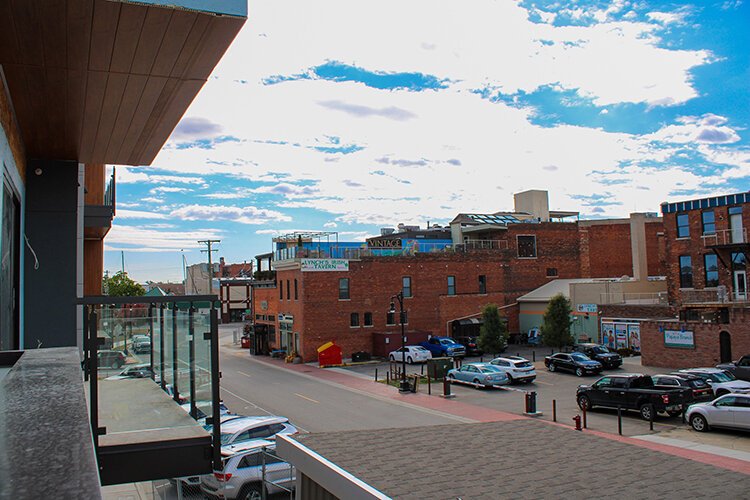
(638, 246)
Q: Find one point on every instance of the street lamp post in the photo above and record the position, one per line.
(404, 386)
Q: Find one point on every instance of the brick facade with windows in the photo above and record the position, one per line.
(324, 312)
(705, 254)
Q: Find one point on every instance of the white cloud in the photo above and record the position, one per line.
(138, 214)
(708, 128)
(150, 239)
(243, 215)
(169, 189)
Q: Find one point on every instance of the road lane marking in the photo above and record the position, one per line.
(305, 397)
(243, 373)
(256, 406)
(544, 383)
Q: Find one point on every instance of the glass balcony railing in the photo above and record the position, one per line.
(152, 368)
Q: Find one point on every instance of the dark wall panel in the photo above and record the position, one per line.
(50, 290)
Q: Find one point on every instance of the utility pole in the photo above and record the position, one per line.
(208, 243)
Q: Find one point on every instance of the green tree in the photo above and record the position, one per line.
(120, 285)
(493, 336)
(556, 322)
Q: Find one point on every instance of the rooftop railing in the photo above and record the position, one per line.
(719, 295)
(486, 244)
(633, 298)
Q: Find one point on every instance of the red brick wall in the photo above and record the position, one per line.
(271, 296)
(706, 335)
(610, 253)
(654, 230)
(695, 246)
(636, 311)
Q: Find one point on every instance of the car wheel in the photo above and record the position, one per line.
(551, 367)
(698, 422)
(477, 383)
(115, 364)
(645, 412)
(251, 493)
(584, 402)
(409, 360)
(579, 372)
(451, 376)
(392, 358)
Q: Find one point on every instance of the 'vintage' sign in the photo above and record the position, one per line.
(384, 243)
(324, 265)
(679, 338)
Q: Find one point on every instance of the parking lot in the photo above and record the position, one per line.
(561, 387)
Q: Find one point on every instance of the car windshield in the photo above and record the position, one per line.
(600, 349)
(697, 384)
(420, 349)
(447, 341)
(522, 364)
(489, 369)
(721, 377)
(225, 438)
(580, 357)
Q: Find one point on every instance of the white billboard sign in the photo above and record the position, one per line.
(324, 265)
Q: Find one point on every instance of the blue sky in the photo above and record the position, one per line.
(351, 116)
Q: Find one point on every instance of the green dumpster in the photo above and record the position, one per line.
(437, 368)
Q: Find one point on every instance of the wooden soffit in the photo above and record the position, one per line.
(106, 81)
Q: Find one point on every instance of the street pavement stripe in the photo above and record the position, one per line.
(690, 445)
(243, 373)
(305, 397)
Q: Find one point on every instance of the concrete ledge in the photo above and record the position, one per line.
(45, 434)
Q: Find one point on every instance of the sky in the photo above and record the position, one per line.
(351, 116)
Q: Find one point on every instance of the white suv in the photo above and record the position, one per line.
(721, 381)
(517, 369)
(241, 476)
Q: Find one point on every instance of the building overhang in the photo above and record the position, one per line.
(106, 81)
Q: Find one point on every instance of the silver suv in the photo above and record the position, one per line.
(241, 476)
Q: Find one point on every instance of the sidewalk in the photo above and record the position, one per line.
(726, 459)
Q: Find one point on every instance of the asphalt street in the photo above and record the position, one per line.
(250, 387)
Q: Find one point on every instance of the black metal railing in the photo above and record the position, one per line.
(110, 193)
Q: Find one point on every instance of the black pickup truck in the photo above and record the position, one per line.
(632, 391)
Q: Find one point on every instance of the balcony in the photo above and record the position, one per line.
(152, 371)
(725, 237)
(97, 219)
(411, 248)
(718, 295)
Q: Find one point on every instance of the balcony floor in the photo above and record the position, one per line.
(137, 411)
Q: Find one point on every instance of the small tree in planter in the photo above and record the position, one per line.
(493, 335)
(556, 322)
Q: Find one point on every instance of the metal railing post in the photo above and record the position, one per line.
(191, 342)
(151, 340)
(175, 386)
(163, 381)
(215, 374)
(93, 376)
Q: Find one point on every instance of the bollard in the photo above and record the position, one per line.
(429, 384)
(421, 369)
(533, 356)
(651, 418)
(619, 420)
(682, 415)
(585, 426)
(376, 374)
(481, 358)
(554, 410)
(387, 378)
(518, 354)
(577, 420)
(447, 388)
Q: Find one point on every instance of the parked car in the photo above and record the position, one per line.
(142, 346)
(721, 381)
(516, 368)
(444, 346)
(632, 391)
(414, 354)
(472, 345)
(575, 362)
(730, 410)
(478, 374)
(139, 338)
(110, 359)
(203, 409)
(740, 369)
(238, 429)
(241, 474)
(133, 371)
(699, 390)
(181, 399)
(600, 353)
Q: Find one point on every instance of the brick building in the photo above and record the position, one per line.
(494, 259)
(705, 257)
